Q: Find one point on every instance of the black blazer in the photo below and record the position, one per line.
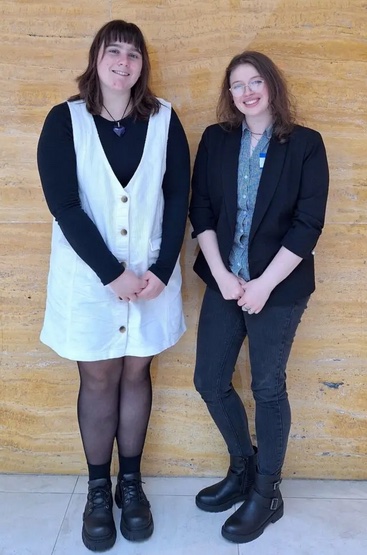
(290, 204)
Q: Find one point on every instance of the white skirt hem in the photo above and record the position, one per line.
(109, 354)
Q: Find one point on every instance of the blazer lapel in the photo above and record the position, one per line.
(231, 152)
(270, 176)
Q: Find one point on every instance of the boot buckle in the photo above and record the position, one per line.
(276, 484)
(274, 504)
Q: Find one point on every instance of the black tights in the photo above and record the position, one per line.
(115, 399)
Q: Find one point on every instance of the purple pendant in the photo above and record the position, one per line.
(119, 130)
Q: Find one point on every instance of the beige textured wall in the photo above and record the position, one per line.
(321, 46)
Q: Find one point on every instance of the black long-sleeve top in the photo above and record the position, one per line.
(57, 168)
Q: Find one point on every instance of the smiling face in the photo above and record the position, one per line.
(255, 103)
(119, 67)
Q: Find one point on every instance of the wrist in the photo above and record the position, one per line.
(219, 273)
(268, 282)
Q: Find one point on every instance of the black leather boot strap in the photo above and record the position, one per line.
(271, 504)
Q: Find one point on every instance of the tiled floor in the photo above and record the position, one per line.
(41, 515)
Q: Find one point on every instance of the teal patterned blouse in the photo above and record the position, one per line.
(249, 174)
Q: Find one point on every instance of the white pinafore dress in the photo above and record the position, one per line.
(84, 320)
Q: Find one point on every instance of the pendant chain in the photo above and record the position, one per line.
(117, 121)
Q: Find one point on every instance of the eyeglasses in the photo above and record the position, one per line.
(238, 89)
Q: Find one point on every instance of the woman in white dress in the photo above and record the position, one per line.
(114, 166)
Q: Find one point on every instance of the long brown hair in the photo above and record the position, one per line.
(144, 102)
(280, 102)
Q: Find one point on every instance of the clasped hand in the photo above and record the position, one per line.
(129, 287)
(250, 295)
(255, 294)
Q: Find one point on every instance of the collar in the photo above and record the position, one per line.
(268, 130)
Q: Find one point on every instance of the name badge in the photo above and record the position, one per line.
(262, 157)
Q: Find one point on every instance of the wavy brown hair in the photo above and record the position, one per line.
(280, 101)
(144, 102)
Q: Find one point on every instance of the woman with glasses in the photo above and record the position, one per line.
(115, 170)
(259, 192)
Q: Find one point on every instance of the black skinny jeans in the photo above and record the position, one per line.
(223, 326)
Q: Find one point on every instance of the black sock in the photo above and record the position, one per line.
(128, 465)
(97, 471)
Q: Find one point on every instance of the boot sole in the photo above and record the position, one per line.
(219, 508)
(137, 535)
(98, 545)
(134, 535)
(245, 538)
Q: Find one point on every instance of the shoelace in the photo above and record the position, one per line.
(98, 497)
(132, 490)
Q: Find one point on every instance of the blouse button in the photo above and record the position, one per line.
(124, 199)
(122, 329)
(123, 232)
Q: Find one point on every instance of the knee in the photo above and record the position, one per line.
(100, 383)
(136, 370)
(209, 388)
(198, 382)
(203, 385)
(98, 378)
(134, 377)
(269, 391)
(97, 387)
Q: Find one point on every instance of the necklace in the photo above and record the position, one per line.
(253, 146)
(253, 138)
(118, 128)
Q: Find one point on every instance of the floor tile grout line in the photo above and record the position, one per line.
(35, 476)
(327, 498)
(76, 483)
(62, 522)
(77, 478)
(65, 513)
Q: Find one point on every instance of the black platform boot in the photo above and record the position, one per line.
(263, 505)
(136, 517)
(232, 489)
(99, 531)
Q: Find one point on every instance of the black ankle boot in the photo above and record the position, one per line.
(99, 531)
(263, 505)
(234, 488)
(136, 518)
